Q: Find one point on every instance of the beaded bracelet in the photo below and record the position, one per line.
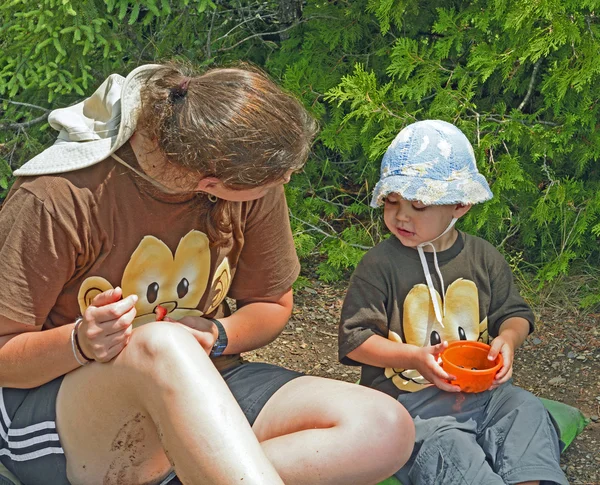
(75, 343)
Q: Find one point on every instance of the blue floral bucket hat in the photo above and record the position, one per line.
(433, 162)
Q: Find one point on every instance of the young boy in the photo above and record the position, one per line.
(426, 286)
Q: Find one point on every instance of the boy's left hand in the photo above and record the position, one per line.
(506, 347)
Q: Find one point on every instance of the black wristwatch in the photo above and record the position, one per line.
(221, 343)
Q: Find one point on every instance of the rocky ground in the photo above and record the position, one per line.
(560, 361)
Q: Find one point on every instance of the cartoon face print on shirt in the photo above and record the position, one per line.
(460, 322)
(175, 282)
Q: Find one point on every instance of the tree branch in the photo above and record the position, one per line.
(326, 234)
(261, 34)
(27, 105)
(536, 68)
(589, 24)
(511, 232)
(509, 118)
(242, 23)
(26, 124)
(208, 36)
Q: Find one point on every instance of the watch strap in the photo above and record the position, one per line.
(221, 343)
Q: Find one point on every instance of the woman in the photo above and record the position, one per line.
(163, 195)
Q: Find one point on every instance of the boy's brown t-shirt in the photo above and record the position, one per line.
(65, 238)
(388, 296)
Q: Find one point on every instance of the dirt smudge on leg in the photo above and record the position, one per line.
(128, 445)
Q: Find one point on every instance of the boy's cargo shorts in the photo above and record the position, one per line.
(29, 443)
(503, 436)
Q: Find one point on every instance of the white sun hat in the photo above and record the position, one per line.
(431, 161)
(94, 129)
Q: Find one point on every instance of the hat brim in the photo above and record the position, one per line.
(66, 156)
(473, 190)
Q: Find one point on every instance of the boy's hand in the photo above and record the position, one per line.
(505, 346)
(512, 334)
(429, 367)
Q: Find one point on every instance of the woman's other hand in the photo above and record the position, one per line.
(203, 330)
(107, 325)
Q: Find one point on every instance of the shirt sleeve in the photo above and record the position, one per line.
(268, 264)
(363, 314)
(506, 301)
(36, 257)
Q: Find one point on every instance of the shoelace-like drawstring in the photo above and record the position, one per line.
(147, 178)
(439, 313)
(156, 183)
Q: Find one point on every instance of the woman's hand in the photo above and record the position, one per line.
(203, 330)
(428, 366)
(107, 324)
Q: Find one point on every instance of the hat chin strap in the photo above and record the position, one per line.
(156, 183)
(439, 313)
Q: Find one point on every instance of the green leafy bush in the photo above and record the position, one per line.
(520, 78)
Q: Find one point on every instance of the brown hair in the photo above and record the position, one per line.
(230, 123)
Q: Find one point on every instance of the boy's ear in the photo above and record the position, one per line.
(461, 209)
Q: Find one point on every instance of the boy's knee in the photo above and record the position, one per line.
(445, 431)
(512, 399)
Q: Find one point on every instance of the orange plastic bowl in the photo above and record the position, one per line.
(468, 362)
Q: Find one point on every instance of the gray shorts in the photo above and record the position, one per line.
(30, 446)
(504, 436)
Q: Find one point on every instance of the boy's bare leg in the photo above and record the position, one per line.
(161, 393)
(317, 430)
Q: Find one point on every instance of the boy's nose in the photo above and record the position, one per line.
(401, 215)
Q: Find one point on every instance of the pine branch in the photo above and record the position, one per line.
(589, 24)
(326, 234)
(242, 23)
(208, 35)
(511, 232)
(536, 68)
(27, 124)
(261, 34)
(27, 105)
(507, 119)
(330, 201)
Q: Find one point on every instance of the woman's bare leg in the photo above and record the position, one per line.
(160, 401)
(317, 430)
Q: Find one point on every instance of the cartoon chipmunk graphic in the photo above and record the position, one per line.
(460, 322)
(175, 282)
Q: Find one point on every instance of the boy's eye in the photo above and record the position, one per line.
(390, 200)
(419, 207)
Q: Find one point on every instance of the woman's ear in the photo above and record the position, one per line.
(461, 209)
(208, 184)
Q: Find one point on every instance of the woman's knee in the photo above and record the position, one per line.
(396, 424)
(386, 424)
(162, 346)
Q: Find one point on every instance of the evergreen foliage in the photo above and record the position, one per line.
(520, 78)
